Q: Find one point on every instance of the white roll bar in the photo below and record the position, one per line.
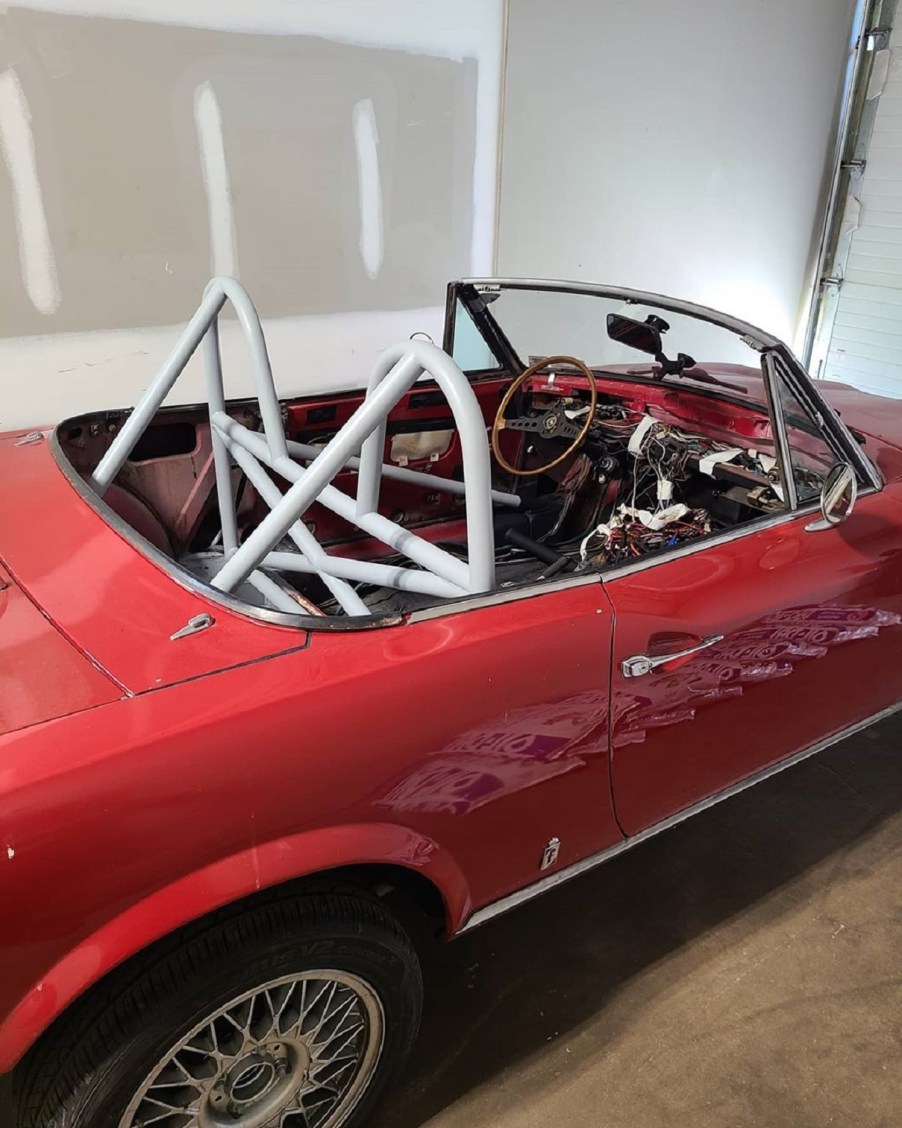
(442, 574)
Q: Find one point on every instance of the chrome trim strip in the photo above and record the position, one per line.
(490, 599)
(496, 908)
(474, 603)
(643, 297)
(191, 583)
(691, 547)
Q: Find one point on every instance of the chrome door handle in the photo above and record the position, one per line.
(641, 664)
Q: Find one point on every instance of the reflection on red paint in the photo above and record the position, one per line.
(515, 750)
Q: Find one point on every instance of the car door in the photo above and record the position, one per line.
(490, 728)
(784, 634)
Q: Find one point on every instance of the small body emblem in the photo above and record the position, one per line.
(549, 856)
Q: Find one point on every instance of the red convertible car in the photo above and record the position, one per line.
(286, 685)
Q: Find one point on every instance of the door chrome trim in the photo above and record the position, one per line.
(512, 900)
(508, 595)
(702, 543)
(689, 548)
(606, 576)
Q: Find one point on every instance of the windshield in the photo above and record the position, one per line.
(541, 323)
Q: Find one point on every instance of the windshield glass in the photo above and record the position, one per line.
(541, 323)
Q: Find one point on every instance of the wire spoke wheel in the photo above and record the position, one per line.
(296, 1052)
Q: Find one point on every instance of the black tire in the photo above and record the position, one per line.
(93, 1062)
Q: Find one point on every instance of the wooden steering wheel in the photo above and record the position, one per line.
(553, 424)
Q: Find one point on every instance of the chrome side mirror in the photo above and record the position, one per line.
(838, 496)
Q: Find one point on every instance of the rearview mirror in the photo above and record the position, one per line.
(641, 335)
(838, 495)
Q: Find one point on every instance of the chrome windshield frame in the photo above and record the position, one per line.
(770, 348)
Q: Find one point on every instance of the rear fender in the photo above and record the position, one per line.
(222, 883)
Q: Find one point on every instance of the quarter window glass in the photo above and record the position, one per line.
(470, 351)
(810, 455)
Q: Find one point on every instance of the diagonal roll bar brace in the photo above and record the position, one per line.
(396, 371)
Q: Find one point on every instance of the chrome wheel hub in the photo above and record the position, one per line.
(296, 1052)
(249, 1080)
(259, 1084)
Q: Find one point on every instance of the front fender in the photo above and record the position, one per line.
(214, 886)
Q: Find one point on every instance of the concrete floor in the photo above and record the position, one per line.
(743, 970)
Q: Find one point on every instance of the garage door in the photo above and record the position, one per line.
(865, 346)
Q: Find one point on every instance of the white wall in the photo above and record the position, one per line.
(339, 156)
(674, 147)
(677, 147)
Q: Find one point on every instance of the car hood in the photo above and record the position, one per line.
(876, 416)
(42, 675)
